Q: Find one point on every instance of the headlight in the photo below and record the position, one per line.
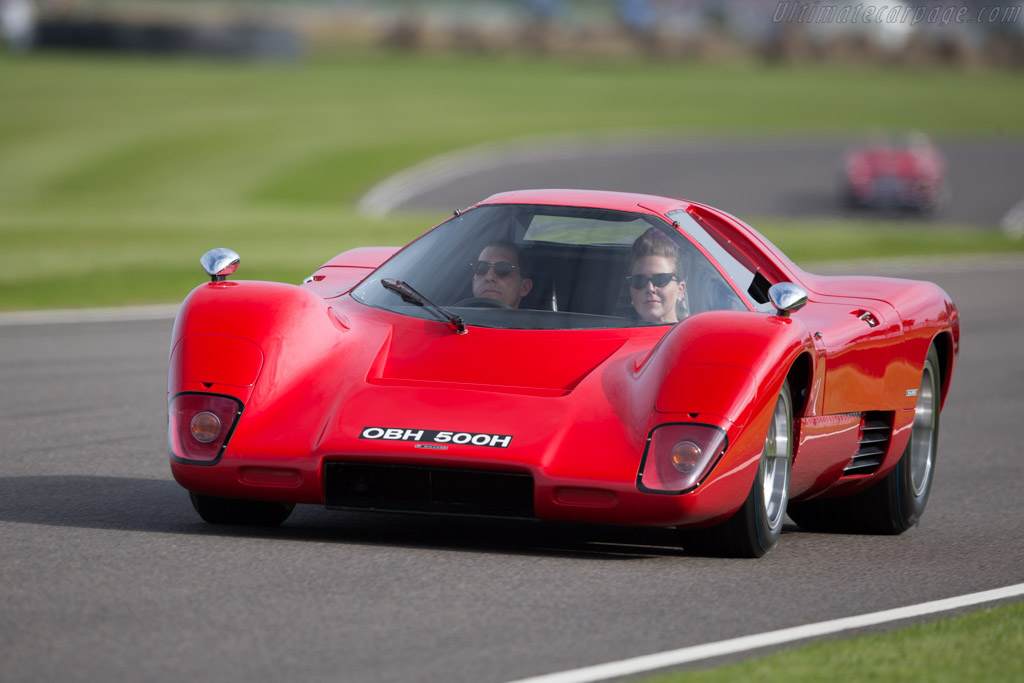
(205, 427)
(686, 456)
(678, 456)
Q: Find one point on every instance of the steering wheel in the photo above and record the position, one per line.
(482, 302)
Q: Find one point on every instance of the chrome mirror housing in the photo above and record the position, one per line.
(787, 297)
(219, 263)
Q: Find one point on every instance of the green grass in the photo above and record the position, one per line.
(133, 257)
(116, 174)
(986, 645)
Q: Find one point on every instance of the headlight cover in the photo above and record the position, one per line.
(678, 456)
(199, 425)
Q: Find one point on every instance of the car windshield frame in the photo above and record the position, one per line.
(577, 259)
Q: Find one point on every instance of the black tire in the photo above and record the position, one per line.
(240, 512)
(897, 502)
(755, 528)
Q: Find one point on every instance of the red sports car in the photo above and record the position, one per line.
(566, 355)
(900, 175)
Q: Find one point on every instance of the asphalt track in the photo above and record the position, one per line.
(750, 178)
(108, 574)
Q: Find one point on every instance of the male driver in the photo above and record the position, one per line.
(501, 272)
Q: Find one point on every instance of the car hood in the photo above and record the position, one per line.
(516, 361)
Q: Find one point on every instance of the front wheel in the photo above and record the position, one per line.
(755, 528)
(240, 512)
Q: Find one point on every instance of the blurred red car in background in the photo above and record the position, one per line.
(897, 175)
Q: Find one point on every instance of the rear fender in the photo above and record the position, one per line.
(346, 270)
(929, 318)
(362, 257)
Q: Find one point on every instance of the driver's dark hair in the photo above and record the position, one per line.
(654, 242)
(521, 258)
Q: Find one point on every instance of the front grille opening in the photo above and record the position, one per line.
(433, 490)
(875, 433)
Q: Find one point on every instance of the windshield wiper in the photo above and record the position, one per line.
(410, 295)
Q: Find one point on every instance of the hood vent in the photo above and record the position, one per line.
(875, 432)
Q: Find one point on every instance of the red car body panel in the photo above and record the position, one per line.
(323, 378)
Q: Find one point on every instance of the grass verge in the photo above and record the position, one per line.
(986, 645)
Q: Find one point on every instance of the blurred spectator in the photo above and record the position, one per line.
(18, 23)
(915, 32)
(637, 16)
(546, 10)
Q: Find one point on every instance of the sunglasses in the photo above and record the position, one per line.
(659, 280)
(502, 268)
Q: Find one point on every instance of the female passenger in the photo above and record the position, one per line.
(656, 284)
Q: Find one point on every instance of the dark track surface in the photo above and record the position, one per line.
(787, 177)
(109, 575)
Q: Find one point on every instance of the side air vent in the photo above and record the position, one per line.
(875, 432)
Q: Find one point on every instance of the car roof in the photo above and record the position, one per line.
(731, 232)
(598, 199)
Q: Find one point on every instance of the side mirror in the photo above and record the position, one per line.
(787, 297)
(219, 263)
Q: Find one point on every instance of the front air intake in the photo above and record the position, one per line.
(432, 490)
(875, 432)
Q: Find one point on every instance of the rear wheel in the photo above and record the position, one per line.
(755, 528)
(897, 502)
(240, 512)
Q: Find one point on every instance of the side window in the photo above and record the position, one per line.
(711, 290)
(706, 289)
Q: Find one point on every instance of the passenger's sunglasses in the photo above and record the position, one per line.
(659, 280)
(502, 268)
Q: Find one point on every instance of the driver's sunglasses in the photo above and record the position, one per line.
(659, 280)
(502, 268)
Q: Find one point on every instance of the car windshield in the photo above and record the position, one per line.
(519, 266)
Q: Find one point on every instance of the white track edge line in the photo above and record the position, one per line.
(634, 665)
(90, 315)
